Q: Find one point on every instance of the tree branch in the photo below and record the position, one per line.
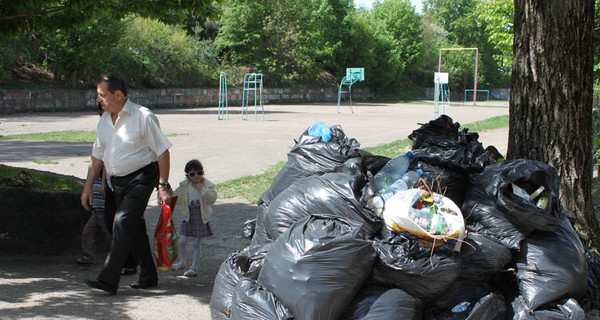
(33, 13)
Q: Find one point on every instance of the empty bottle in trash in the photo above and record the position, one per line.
(428, 219)
(407, 182)
(392, 171)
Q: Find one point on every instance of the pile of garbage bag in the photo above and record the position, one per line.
(475, 238)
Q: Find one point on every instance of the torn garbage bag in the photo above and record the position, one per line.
(318, 265)
(503, 200)
(337, 193)
(406, 264)
(551, 265)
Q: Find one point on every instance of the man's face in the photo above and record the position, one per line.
(110, 102)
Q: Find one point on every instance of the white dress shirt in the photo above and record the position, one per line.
(134, 141)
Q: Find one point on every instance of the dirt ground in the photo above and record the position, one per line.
(53, 287)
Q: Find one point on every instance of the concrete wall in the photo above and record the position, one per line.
(15, 101)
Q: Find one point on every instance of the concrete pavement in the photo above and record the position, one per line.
(233, 148)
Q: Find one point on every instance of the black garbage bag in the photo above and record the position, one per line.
(225, 282)
(311, 156)
(460, 291)
(380, 303)
(593, 290)
(242, 263)
(565, 309)
(249, 227)
(440, 143)
(260, 235)
(408, 265)
(482, 255)
(318, 265)
(445, 181)
(253, 302)
(337, 193)
(551, 265)
(491, 206)
(490, 307)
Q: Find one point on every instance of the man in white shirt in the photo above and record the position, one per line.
(135, 153)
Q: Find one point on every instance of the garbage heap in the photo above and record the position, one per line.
(319, 252)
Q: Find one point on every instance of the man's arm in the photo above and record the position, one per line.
(93, 172)
(164, 166)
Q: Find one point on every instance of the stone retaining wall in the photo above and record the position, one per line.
(15, 101)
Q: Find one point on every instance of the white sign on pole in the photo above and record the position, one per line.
(441, 78)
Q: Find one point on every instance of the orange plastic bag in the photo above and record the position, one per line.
(165, 237)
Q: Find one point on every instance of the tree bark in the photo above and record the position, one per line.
(552, 96)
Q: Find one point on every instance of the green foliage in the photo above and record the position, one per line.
(22, 17)
(161, 54)
(498, 16)
(596, 135)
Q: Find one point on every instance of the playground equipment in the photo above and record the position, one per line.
(352, 76)
(472, 90)
(442, 93)
(223, 104)
(476, 65)
(253, 83)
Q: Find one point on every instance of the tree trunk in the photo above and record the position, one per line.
(551, 98)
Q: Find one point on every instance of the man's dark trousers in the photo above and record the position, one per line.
(131, 194)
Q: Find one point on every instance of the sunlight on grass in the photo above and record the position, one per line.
(56, 136)
(32, 179)
(45, 161)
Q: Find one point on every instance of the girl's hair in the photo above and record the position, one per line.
(193, 165)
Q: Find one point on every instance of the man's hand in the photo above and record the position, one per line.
(164, 194)
(86, 198)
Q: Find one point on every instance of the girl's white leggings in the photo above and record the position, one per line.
(183, 241)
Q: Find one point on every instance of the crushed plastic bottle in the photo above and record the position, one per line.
(461, 307)
(406, 182)
(391, 172)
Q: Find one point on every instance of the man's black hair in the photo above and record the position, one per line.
(114, 82)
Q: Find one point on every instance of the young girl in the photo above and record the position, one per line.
(195, 196)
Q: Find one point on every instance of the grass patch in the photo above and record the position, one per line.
(56, 136)
(252, 187)
(249, 187)
(36, 180)
(45, 161)
(487, 124)
(170, 135)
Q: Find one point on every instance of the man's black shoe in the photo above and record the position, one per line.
(128, 271)
(97, 284)
(143, 285)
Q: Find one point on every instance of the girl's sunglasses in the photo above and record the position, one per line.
(193, 173)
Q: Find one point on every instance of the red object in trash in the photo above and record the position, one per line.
(165, 237)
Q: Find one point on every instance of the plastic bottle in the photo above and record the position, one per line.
(428, 219)
(392, 171)
(406, 182)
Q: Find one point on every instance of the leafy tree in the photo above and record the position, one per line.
(398, 35)
(162, 54)
(551, 98)
(21, 17)
(79, 56)
(498, 16)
